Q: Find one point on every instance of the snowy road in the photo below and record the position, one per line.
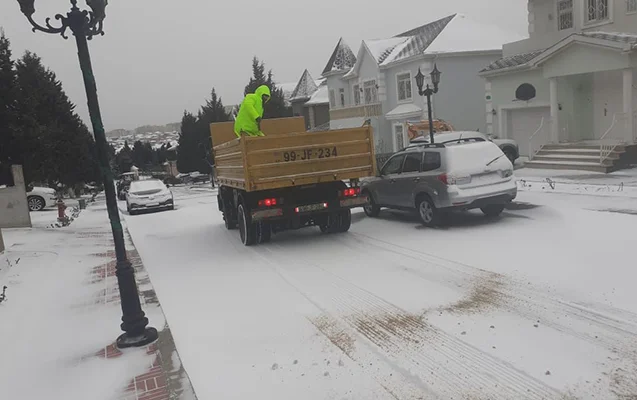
(539, 304)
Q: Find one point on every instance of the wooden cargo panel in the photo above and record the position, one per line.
(291, 158)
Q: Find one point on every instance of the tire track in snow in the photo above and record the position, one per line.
(438, 360)
(613, 325)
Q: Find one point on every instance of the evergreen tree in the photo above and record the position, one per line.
(56, 147)
(187, 152)
(8, 98)
(275, 108)
(194, 153)
(124, 159)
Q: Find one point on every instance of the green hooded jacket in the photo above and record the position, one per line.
(251, 109)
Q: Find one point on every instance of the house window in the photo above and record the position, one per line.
(631, 6)
(357, 95)
(564, 14)
(332, 99)
(370, 92)
(404, 86)
(597, 10)
(341, 93)
(400, 137)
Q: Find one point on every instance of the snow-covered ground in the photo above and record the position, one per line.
(55, 318)
(539, 304)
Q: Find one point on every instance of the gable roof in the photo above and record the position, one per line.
(452, 34)
(342, 59)
(512, 61)
(304, 88)
(616, 40)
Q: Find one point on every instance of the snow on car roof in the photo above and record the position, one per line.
(147, 184)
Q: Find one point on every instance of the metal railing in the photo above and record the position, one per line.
(610, 140)
(539, 138)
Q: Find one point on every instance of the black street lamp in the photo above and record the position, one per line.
(420, 81)
(84, 25)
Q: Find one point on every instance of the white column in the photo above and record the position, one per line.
(555, 126)
(312, 118)
(628, 102)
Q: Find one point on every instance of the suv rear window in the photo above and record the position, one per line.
(431, 161)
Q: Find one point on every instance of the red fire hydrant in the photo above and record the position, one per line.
(61, 209)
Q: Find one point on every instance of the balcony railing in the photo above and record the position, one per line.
(363, 111)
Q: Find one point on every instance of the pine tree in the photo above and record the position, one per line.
(57, 148)
(8, 99)
(275, 108)
(187, 151)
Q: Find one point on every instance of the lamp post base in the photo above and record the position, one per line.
(126, 341)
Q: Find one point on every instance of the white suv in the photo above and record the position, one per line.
(39, 198)
(436, 179)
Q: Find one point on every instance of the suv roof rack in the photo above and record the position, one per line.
(427, 145)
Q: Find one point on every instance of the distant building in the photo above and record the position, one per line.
(379, 83)
(309, 99)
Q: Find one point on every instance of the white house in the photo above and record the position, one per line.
(567, 93)
(379, 83)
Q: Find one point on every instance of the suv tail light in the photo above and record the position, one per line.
(267, 202)
(454, 180)
(351, 192)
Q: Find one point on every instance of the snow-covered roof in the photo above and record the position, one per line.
(404, 111)
(342, 58)
(463, 34)
(452, 34)
(382, 48)
(321, 96)
(305, 88)
(618, 40)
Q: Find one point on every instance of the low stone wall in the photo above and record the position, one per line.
(14, 210)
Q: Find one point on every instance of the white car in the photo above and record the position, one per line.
(40, 198)
(151, 194)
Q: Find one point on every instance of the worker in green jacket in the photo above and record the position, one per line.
(248, 120)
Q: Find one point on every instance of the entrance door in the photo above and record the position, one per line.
(524, 122)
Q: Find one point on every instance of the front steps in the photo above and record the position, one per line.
(576, 156)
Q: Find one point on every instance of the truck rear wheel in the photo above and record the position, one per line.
(247, 230)
(337, 222)
(264, 232)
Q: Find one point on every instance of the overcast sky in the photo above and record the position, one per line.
(159, 57)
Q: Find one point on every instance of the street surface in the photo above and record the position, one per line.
(538, 304)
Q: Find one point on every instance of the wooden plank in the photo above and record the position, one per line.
(222, 132)
(265, 165)
(320, 151)
(310, 166)
(283, 126)
(282, 182)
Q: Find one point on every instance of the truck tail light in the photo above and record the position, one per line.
(351, 192)
(267, 202)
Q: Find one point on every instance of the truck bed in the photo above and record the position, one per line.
(289, 156)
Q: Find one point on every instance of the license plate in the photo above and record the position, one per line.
(152, 205)
(307, 154)
(312, 207)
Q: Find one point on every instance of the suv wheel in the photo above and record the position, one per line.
(36, 203)
(493, 210)
(371, 208)
(429, 214)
